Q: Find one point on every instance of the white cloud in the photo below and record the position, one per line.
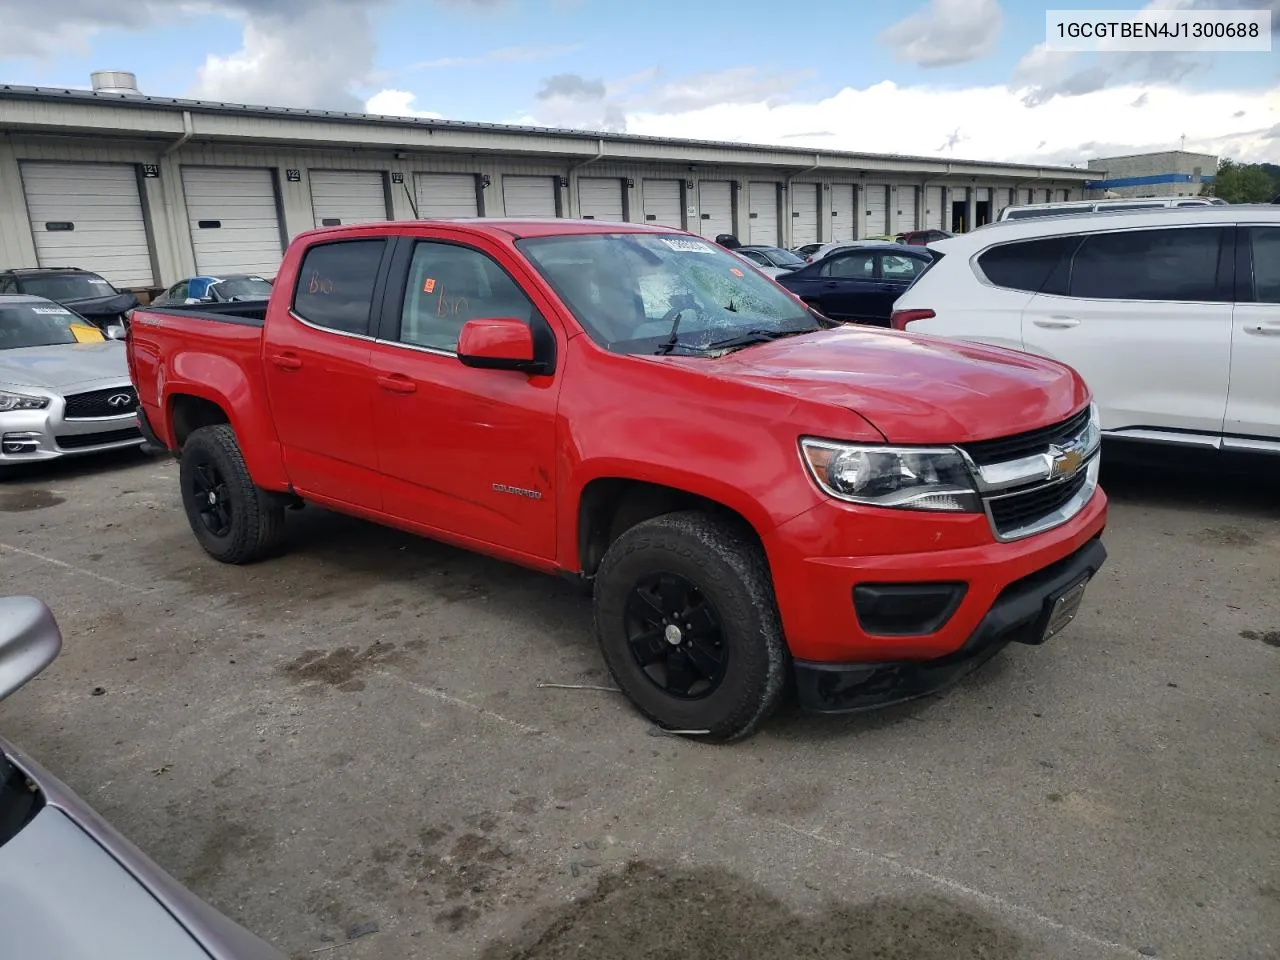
(295, 54)
(946, 33)
(993, 123)
(396, 103)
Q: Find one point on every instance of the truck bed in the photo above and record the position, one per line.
(250, 313)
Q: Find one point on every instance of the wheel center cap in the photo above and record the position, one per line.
(672, 634)
(213, 498)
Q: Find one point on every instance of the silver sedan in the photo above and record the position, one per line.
(64, 385)
(71, 887)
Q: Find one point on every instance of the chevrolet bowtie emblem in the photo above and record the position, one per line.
(1063, 463)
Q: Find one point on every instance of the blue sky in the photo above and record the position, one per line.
(919, 76)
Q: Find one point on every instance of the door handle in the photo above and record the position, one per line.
(1056, 323)
(831, 284)
(1266, 329)
(395, 383)
(286, 361)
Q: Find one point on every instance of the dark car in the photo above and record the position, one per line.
(859, 284)
(919, 238)
(86, 293)
(773, 260)
(205, 289)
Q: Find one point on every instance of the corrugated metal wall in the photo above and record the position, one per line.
(168, 222)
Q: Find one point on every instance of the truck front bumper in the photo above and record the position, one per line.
(1027, 611)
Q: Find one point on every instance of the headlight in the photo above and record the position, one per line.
(912, 478)
(1091, 439)
(19, 401)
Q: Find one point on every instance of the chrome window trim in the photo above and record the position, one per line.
(436, 351)
(333, 330)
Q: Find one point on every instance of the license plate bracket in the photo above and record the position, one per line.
(1062, 609)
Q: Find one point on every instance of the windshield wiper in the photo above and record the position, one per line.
(750, 337)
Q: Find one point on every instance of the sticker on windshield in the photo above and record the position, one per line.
(98, 282)
(736, 272)
(429, 286)
(687, 246)
(52, 311)
(85, 334)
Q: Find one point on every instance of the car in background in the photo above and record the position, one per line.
(806, 251)
(88, 294)
(859, 282)
(1171, 316)
(772, 261)
(921, 238)
(64, 384)
(75, 888)
(204, 289)
(1029, 211)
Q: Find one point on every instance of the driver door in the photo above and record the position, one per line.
(464, 451)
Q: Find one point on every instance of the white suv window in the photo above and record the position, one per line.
(1170, 264)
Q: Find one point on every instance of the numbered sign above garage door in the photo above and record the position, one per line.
(662, 205)
(235, 224)
(715, 207)
(529, 196)
(600, 198)
(446, 195)
(89, 215)
(347, 196)
(804, 213)
(762, 215)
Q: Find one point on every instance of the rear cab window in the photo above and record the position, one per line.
(335, 285)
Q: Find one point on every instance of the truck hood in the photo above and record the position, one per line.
(913, 389)
(63, 364)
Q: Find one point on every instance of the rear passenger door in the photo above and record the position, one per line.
(1253, 402)
(842, 285)
(1145, 317)
(316, 366)
(896, 272)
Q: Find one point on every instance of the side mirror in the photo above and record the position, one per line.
(29, 641)
(115, 331)
(501, 343)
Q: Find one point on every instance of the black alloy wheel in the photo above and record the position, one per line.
(676, 637)
(211, 497)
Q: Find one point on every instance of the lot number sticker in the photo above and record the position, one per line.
(687, 246)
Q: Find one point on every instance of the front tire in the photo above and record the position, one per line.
(234, 520)
(688, 625)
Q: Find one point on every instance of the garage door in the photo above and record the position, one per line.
(906, 208)
(662, 203)
(600, 198)
(446, 195)
(877, 209)
(89, 215)
(844, 215)
(762, 214)
(347, 196)
(715, 207)
(804, 213)
(934, 214)
(235, 227)
(529, 196)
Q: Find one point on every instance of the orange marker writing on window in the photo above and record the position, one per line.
(429, 286)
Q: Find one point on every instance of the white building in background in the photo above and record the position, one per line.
(148, 190)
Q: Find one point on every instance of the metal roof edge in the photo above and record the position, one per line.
(804, 155)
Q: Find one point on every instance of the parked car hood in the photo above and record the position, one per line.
(64, 364)
(913, 389)
(111, 306)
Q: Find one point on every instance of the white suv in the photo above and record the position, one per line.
(1171, 315)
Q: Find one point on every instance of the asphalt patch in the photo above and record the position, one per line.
(648, 912)
(21, 501)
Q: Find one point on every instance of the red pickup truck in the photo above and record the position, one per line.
(757, 495)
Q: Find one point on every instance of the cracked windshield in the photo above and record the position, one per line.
(585, 480)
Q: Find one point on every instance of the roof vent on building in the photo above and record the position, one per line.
(114, 81)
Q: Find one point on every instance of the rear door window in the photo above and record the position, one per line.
(1171, 264)
(1265, 244)
(335, 284)
(849, 266)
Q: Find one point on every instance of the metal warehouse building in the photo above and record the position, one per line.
(148, 190)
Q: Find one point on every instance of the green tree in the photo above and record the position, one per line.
(1242, 183)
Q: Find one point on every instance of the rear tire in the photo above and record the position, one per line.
(234, 520)
(688, 625)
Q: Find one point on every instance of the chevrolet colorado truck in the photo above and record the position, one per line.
(757, 496)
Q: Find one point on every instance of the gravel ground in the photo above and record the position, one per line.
(347, 747)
